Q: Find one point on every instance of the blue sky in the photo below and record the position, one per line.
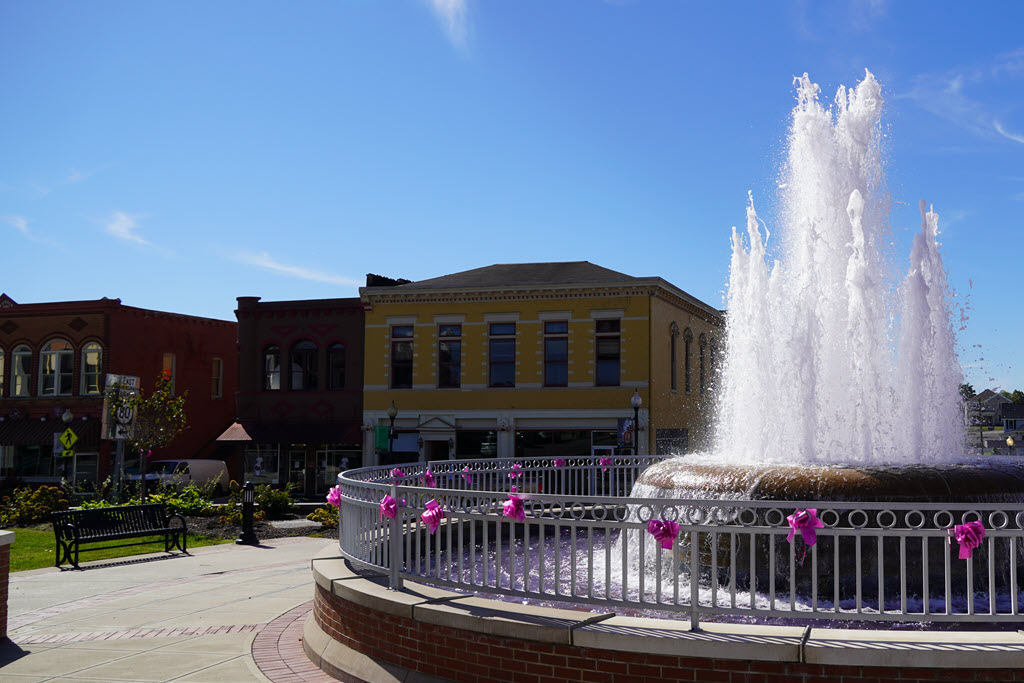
(178, 155)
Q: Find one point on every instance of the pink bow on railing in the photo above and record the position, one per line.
(516, 471)
(428, 478)
(804, 521)
(397, 473)
(334, 496)
(969, 536)
(513, 507)
(466, 476)
(388, 507)
(558, 462)
(664, 531)
(605, 463)
(433, 516)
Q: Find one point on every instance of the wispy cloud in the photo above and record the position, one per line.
(123, 226)
(452, 15)
(970, 96)
(19, 223)
(76, 176)
(267, 262)
(1007, 134)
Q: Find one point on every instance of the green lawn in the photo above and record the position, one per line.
(34, 548)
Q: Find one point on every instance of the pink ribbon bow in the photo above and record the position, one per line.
(969, 536)
(559, 462)
(664, 531)
(466, 476)
(397, 473)
(605, 462)
(433, 516)
(516, 471)
(804, 521)
(334, 496)
(428, 478)
(513, 507)
(388, 507)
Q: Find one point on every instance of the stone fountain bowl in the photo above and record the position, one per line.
(983, 480)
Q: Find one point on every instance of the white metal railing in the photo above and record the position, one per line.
(584, 540)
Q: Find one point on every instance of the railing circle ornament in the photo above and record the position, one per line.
(918, 516)
(830, 518)
(946, 515)
(964, 519)
(747, 517)
(861, 516)
(992, 517)
(775, 517)
(886, 519)
(577, 510)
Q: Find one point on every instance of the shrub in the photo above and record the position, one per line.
(276, 503)
(327, 515)
(31, 506)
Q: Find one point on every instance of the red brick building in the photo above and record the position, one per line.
(54, 358)
(300, 384)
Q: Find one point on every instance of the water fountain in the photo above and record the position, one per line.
(826, 393)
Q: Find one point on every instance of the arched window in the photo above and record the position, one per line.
(271, 368)
(92, 368)
(303, 361)
(673, 333)
(56, 366)
(21, 370)
(687, 342)
(336, 366)
(703, 353)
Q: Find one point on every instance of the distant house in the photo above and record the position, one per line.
(1013, 417)
(985, 408)
(54, 359)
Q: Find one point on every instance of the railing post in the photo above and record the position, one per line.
(694, 580)
(395, 546)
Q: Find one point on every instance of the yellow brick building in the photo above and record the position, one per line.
(517, 360)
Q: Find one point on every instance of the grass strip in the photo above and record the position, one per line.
(34, 548)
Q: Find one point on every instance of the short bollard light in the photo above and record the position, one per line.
(248, 535)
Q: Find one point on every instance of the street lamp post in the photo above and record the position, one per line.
(392, 414)
(636, 402)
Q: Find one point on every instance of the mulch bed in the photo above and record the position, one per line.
(213, 527)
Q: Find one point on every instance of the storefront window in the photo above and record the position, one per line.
(262, 464)
(470, 444)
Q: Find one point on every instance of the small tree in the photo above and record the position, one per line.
(159, 418)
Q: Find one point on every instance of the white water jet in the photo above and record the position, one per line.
(819, 368)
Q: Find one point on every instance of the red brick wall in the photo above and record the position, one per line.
(466, 656)
(5, 573)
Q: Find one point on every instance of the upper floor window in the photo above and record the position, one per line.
(1, 372)
(21, 367)
(556, 353)
(608, 353)
(304, 370)
(449, 356)
(271, 367)
(170, 369)
(216, 378)
(92, 368)
(401, 356)
(502, 354)
(56, 368)
(336, 366)
(687, 343)
(673, 333)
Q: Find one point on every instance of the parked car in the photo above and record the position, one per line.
(181, 473)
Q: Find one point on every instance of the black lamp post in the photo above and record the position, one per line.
(392, 414)
(636, 402)
(248, 535)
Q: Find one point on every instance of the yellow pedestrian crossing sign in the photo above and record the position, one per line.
(68, 439)
(68, 453)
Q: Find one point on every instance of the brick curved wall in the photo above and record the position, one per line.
(462, 655)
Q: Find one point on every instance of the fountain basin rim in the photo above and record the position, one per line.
(337, 579)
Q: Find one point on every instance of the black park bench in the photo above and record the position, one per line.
(74, 528)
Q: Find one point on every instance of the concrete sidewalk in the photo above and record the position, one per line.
(221, 613)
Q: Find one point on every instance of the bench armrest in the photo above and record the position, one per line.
(171, 517)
